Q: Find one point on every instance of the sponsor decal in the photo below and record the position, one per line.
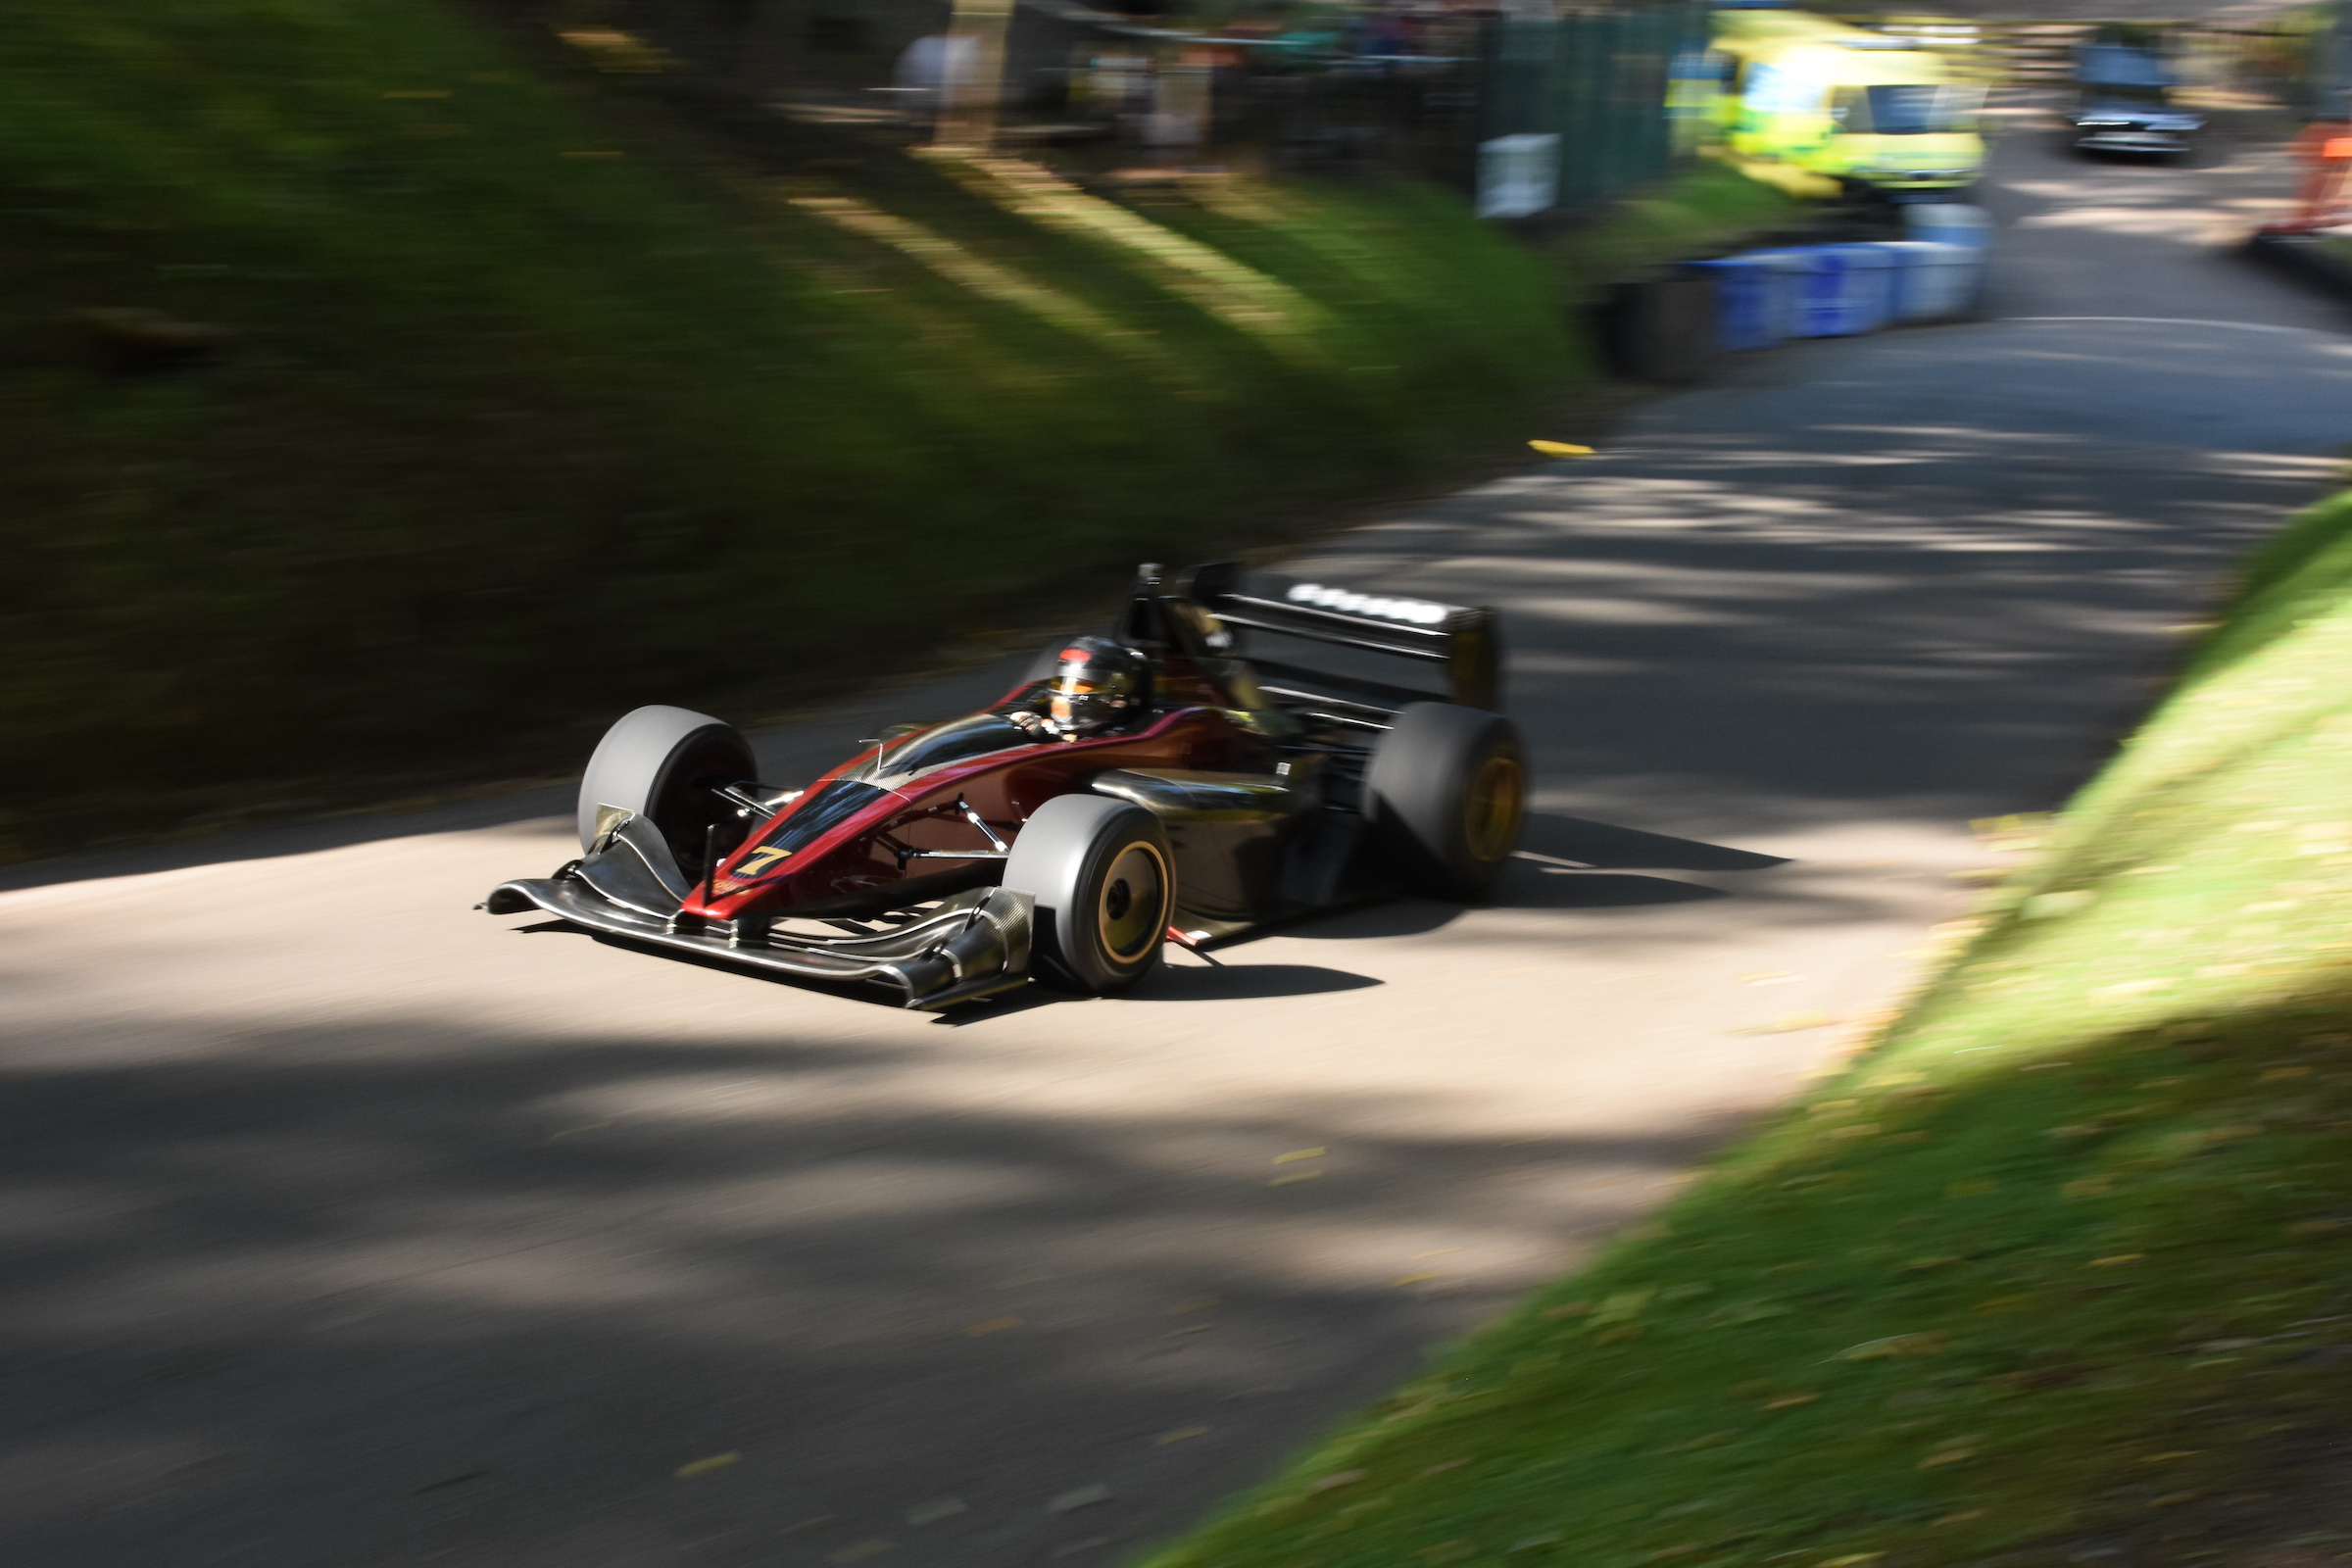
(1412, 612)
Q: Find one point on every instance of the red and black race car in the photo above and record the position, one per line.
(1280, 759)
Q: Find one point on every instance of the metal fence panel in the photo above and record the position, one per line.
(1597, 82)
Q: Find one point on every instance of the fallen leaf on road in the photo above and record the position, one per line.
(1300, 1153)
(1561, 449)
(1294, 1176)
(1079, 1498)
(1180, 1435)
(717, 1461)
(1416, 1279)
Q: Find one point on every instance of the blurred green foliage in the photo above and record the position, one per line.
(476, 403)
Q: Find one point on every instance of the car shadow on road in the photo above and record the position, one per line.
(1559, 888)
(1605, 845)
(1184, 981)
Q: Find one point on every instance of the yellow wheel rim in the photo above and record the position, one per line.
(1132, 910)
(1490, 807)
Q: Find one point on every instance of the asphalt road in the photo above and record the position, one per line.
(341, 1225)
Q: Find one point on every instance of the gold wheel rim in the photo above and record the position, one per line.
(1132, 910)
(1491, 812)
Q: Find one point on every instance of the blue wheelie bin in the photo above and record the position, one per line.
(1755, 298)
(1842, 289)
(1932, 280)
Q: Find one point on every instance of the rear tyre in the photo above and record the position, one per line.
(1446, 794)
(664, 764)
(1106, 890)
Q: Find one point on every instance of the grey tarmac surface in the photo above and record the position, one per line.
(342, 1225)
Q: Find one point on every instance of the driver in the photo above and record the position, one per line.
(1097, 686)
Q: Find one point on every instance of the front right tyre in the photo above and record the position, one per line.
(1105, 889)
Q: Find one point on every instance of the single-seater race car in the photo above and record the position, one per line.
(1238, 749)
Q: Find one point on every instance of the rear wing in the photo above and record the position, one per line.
(1352, 659)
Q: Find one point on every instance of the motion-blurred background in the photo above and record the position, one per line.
(397, 388)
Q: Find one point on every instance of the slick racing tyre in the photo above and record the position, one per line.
(662, 763)
(1446, 792)
(1106, 890)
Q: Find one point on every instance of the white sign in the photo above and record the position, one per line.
(1518, 175)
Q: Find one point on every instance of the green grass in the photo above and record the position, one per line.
(2062, 1264)
(1712, 209)
(539, 401)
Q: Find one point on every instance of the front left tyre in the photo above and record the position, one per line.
(1105, 889)
(664, 765)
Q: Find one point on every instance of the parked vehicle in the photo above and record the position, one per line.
(2123, 104)
(1875, 116)
(1238, 749)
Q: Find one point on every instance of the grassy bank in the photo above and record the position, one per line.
(2060, 1271)
(1711, 209)
(391, 401)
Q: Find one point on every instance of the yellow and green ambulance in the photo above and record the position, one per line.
(1862, 112)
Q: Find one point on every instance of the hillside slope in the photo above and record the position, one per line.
(385, 406)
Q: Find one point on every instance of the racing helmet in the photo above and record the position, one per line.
(1097, 685)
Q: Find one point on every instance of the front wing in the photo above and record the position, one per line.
(967, 947)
